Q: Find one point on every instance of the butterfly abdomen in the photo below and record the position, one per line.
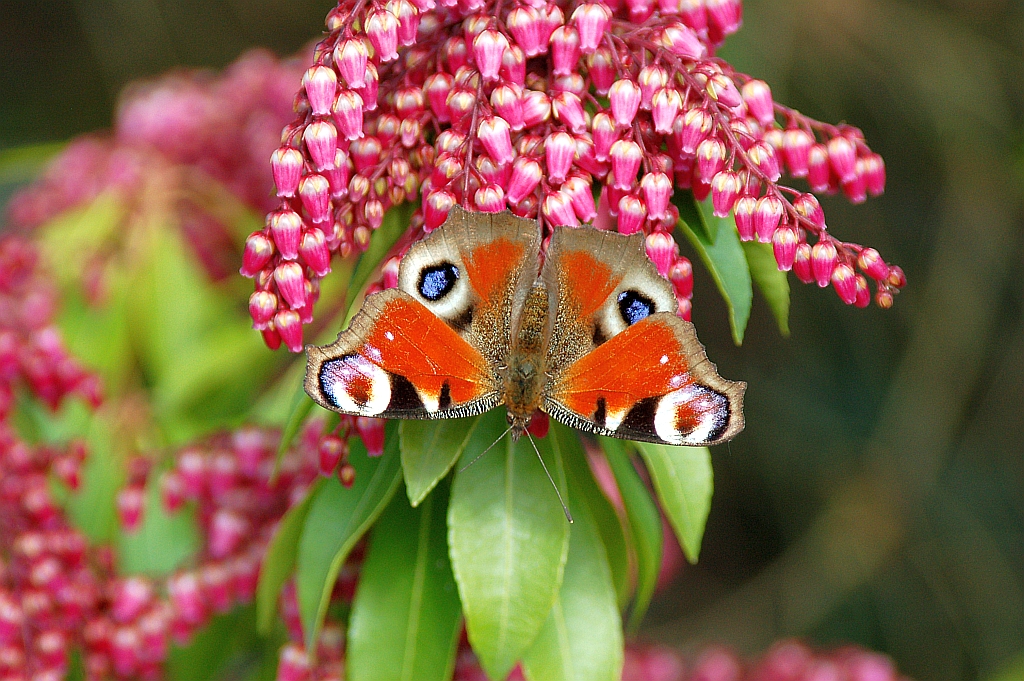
(524, 377)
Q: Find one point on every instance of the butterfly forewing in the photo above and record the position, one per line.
(494, 260)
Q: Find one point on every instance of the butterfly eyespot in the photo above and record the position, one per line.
(634, 306)
(437, 281)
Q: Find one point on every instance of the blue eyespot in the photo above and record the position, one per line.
(437, 281)
(634, 306)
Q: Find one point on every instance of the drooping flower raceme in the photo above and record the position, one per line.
(570, 112)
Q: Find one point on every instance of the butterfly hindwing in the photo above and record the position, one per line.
(397, 359)
(621, 363)
(651, 382)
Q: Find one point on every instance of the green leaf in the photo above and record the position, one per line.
(429, 449)
(302, 405)
(93, 507)
(508, 540)
(644, 525)
(337, 518)
(227, 648)
(683, 480)
(770, 280)
(582, 637)
(383, 239)
(279, 560)
(163, 542)
(728, 266)
(580, 478)
(689, 213)
(405, 616)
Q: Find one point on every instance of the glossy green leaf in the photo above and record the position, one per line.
(508, 540)
(279, 561)
(683, 480)
(162, 543)
(772, 282)
(383, 239)
(581, 640)
(644, 525)
(684, 200)
(337, 518)
(580, 478)
(429, 449)
(727, 264)
(405, 617)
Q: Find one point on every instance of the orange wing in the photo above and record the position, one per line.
(651, 382)
(399, 360)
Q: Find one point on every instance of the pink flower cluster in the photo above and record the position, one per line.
(787, 660)
(180, 132)
(573, 112)
(57, 594)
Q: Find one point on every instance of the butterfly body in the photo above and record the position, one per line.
(590, 338)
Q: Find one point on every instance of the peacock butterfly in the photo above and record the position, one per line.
(593, 340)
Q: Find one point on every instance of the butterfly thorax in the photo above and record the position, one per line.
(524, 370)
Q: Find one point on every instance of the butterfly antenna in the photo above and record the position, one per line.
(500, 438)
(565, 508)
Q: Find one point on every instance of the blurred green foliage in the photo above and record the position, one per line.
(877, 495)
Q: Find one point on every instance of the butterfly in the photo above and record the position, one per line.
(590, 338)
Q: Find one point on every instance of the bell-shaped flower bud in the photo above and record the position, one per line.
(632, 213)
(315, 192)
(289, 326)
(784, 244)
(559, 150)
(286, 164)
(350, 59)
(286, 230)
(579, 192)
(625, 156)
(842, 156)
(382, 29)
(321, 140)
(494, 133)
(558, 211)
(315, 253)
(565, 50)
(796, 147)
(488, 49)
(662, 250)
(591, 20)
(291, 284)
(743, 211)
(507, 100)
(824, 258)
(767, 216)
(262, 306)
(725, 188)
(258, 252)
(844, 281)
(320, 83)
(657, 189)
(490, 198)
(348, 114)
(526, 176)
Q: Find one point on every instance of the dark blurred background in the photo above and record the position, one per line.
(877, 495)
